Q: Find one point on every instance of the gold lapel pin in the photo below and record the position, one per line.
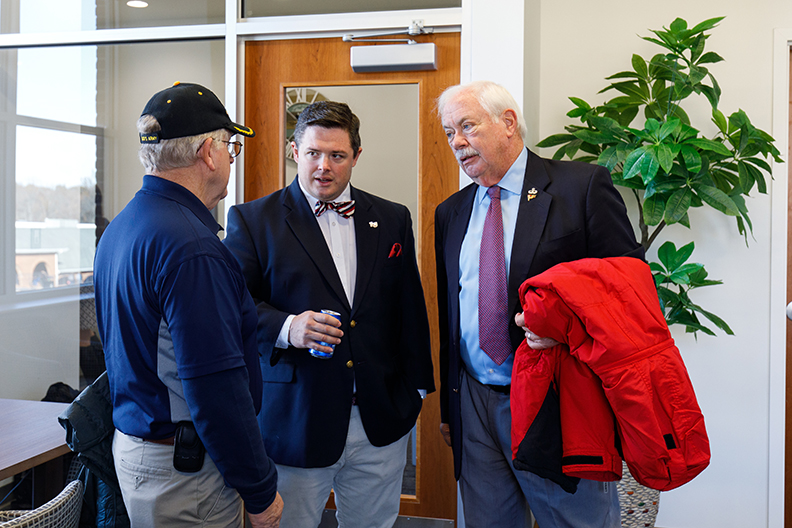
(532, 194)
(373, 224)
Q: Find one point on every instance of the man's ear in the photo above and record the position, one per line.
(509, 118)
(295, 151)
(206, 153)
(357, 156)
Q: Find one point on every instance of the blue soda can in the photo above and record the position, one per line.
(325, 355)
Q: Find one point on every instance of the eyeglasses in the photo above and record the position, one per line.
(234, 148)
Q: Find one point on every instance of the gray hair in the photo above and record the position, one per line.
(175, 153)
(493, 98)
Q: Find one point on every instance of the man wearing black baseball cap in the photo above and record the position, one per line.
(179, 331)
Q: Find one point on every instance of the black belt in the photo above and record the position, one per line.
(163, 441)
(502, 389)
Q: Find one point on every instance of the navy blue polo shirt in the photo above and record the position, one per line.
(172, 306)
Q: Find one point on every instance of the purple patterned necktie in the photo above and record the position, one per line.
(345, 209)
(493, 301)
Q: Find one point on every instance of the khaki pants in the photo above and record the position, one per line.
(366, 480)
(155, 494)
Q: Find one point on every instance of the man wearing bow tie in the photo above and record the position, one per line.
(521, 215)
(321, 244)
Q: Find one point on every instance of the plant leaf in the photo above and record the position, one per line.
(649, 165)
(580, 103)
(653, 209)
(632, 165)
(555, 139)
(716, 198)
(677, 205)
(692, 158)
(681, 255)
(639, 65)
(707, 24)
(720, 120)
(709, 57)
(665, 156)
(708, 144)
(667, 253)
(609, 158)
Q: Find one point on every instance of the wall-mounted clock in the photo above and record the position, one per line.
(297, 99)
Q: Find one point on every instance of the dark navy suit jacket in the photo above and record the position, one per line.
(575, 213)
(385, 348)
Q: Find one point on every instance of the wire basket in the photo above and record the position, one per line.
(638, 503)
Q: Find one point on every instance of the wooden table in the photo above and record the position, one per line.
(32, 438)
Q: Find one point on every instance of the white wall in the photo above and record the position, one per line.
(141, 71)
(582, 42)
(40, 345)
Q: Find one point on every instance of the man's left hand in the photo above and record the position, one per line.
(533, 340)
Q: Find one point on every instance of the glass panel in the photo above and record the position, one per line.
(55, 208)
(46, 16)
(262, 8)
(69, 164)
(59, 84)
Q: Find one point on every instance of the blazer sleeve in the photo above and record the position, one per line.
(442, 305)
(246, 250)
(610, 233)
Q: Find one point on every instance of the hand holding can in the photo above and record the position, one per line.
(325, 355)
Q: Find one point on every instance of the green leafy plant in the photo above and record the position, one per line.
(675, 278)
(669, 165)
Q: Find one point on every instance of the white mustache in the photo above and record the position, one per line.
(465, 153)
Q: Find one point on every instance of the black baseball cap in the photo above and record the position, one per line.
(187, 109)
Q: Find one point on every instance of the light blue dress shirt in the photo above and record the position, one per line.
(479, 364)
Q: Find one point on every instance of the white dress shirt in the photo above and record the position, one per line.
(477, 363)
(339, 234)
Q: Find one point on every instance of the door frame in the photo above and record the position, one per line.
(779, 489)
(270, 67)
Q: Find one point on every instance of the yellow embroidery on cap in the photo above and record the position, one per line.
(177, 83)
(200, 93)
(168, 101)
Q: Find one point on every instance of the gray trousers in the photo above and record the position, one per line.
(155, 494)
(366, 480)
(495, 495)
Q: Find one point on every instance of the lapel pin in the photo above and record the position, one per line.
(373, 224)
(532, 194)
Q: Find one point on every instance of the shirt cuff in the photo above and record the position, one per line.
(283, 336)
(422, 392)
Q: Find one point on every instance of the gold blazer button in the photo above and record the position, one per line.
(350, 364)
(352, 323)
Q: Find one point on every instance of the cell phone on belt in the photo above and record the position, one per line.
(188, 450)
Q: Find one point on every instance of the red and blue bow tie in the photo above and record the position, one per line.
(345, 209)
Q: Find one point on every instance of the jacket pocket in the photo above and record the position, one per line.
(281, 372)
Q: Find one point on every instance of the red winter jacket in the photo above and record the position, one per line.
(618, 356)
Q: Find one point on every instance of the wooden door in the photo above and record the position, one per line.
(788, 434)
(273, 67)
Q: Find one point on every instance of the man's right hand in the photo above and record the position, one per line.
(309, 328)
(269, 518)
(445, 430)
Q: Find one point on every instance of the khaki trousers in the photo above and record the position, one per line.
(155, 494)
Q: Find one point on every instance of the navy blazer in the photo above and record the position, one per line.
(385, 348)
(575, 213)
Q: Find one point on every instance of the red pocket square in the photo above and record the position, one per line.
(395, 250)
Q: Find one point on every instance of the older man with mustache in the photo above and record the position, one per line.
(522, 215)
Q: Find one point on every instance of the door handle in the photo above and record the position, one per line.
(789, 311)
